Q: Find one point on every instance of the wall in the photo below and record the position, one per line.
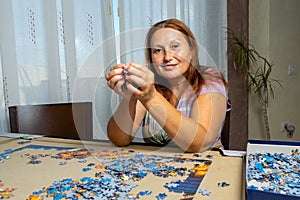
(274, 30)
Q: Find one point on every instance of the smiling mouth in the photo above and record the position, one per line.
(169, 67)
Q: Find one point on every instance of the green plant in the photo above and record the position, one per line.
(256, 69)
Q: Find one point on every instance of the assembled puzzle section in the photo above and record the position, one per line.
(273, 170)
(81, 173)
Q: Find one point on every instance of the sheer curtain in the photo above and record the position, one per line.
(58, 51)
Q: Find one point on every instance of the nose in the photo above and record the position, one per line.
(168, 55)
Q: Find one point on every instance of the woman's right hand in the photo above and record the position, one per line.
(116, 79)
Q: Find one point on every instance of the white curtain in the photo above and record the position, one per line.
(58, 51)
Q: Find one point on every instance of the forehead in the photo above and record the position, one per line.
(167, 35)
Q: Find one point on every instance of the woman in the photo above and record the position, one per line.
(173, 98)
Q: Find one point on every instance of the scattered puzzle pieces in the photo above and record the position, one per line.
(204, 192)
(7, 192)
(223, 184)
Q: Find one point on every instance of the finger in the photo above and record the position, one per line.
(115, 70)
(135, 69)
(135, 81)
(118, 88)
(120, 65)
(136, 73)
(114, 80)
(133, 88)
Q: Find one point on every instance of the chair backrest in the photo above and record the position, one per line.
(225, 134)
(64, 120)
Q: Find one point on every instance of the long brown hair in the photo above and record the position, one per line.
(192, 75)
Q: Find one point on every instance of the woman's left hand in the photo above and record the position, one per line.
(140, 81)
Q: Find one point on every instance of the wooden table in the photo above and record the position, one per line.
(15, 172)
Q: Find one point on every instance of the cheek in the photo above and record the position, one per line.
(184, 53)
(185, 56)
(157, 59)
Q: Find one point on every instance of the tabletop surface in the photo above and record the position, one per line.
(45, 167)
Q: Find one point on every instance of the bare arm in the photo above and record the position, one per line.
(123, 125)
(193, 134)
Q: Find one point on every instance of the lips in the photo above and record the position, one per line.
(169, 66)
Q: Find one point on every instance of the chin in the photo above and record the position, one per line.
(172, 75)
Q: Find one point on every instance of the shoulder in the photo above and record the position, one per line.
(214, 82)
(213, 87)
(210, 74)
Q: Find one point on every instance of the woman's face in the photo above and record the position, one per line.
(171, 54)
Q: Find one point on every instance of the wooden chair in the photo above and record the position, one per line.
(63, 120)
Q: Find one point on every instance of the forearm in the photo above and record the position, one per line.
(196, 133)
(180, 128)
(120, 126)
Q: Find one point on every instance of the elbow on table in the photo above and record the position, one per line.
(199, 147)
(116, 136)
(193, 149)
(196, 150)
(119, 141)
(119, 144)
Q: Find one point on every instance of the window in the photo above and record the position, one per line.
(59, 51)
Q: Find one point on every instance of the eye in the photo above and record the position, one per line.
(175, 46)
(156, 51)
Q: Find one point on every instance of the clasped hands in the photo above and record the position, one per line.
(130, 80)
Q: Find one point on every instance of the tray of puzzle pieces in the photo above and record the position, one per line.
(273, 170)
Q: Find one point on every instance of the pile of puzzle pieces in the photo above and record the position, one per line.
(275, 172)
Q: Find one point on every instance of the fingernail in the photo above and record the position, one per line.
(119, 70)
